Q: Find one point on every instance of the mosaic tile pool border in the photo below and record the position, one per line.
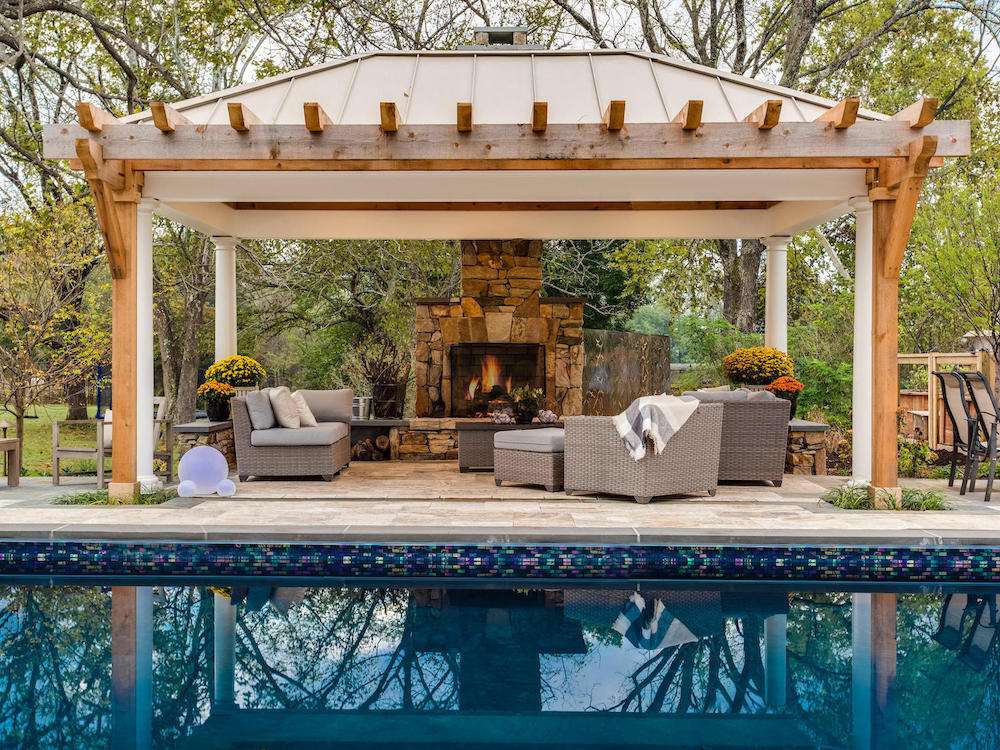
(508, 561)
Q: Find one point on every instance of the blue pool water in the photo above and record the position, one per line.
(545, 666)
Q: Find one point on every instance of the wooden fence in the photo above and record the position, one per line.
(931, 420)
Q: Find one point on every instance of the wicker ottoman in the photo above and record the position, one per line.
(529, 457)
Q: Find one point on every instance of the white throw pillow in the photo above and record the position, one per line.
(285, 410)
(306, 417)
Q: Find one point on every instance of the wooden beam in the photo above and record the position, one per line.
(388, 117)
(500, 205)
(316, 119)
(241, 118)
(463, 117)
(842, 115)
(563, 146)
(766, 116)
(93, 119)
(539, 116)
(690, 115)
(920, 114)
(614, 115)
(166, 118)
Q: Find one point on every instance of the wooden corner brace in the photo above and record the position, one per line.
(104, 178)
(907, 177)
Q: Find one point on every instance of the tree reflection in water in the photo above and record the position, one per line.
(462, 650)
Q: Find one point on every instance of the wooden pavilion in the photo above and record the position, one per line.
(508, 142)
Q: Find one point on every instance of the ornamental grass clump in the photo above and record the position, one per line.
(757, 365)
(237, 370)
(860, 496)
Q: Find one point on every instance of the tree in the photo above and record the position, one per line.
(48, 338)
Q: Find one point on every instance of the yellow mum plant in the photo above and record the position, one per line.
(237, 370)
(213, 390)
(757, 365)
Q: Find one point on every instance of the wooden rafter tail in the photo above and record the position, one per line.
(842, 115)
(316, 119)
(539, 116)
(388, 117)
(463, 117)
(920, 114)
(93, 118)
(766, 116)
(614, 115)
(689, 117)
(166, 118)
(241, 118)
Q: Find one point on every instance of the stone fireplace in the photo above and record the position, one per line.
(500, 314)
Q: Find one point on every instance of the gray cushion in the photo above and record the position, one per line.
(761, 396)
(543, 440)
(330, 406)
(259, 409)
(324, 434)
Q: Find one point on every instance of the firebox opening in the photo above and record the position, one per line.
(481, 373)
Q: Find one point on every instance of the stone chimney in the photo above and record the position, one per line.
(500, 38)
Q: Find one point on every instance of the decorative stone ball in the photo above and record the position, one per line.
(547, 416)
(502, 417)
(205, 467)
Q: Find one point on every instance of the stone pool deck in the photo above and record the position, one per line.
(388, 503)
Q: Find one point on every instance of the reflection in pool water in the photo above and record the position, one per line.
(262, 667)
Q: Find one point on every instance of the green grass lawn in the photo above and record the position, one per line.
(37, 457)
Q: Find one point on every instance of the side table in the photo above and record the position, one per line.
(475, 442)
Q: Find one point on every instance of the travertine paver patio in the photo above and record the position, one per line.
(436, 502)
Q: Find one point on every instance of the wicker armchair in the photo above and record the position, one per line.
(597, 461)
(286, 460)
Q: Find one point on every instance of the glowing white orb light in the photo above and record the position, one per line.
(205, 468)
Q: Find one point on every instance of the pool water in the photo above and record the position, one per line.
(232, 666)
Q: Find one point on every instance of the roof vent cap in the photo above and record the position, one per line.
(492, 37)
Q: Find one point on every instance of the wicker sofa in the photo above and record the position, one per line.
(754, 434)
(596, 460)
(307, 451)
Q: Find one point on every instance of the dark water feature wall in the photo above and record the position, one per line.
(619, 367)
(265, 667)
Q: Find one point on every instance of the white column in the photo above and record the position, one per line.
(862, 384)
(775, 660)
(144, 433)
(223, 665)
(776, 293)
(225, 296)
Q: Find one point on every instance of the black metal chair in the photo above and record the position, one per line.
(987, 410)
(964, 426)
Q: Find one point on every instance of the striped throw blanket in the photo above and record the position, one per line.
(651, 628)
(653, 418)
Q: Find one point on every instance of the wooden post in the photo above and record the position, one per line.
(933, 439)
(873, 670)
(124, 480)
(885, 346)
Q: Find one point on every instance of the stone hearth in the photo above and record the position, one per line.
(500, 302)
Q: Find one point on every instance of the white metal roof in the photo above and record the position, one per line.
(502, 86)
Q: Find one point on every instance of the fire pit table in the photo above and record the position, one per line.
(475, 442)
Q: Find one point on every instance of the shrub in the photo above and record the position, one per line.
(757, 365)
(828, 390)
(852, 496)
(914, 457)
(237, 370)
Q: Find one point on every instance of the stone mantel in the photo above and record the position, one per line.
(500, 302)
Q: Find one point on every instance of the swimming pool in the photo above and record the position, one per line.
(552, 665)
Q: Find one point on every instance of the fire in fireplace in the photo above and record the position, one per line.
(485, 373)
